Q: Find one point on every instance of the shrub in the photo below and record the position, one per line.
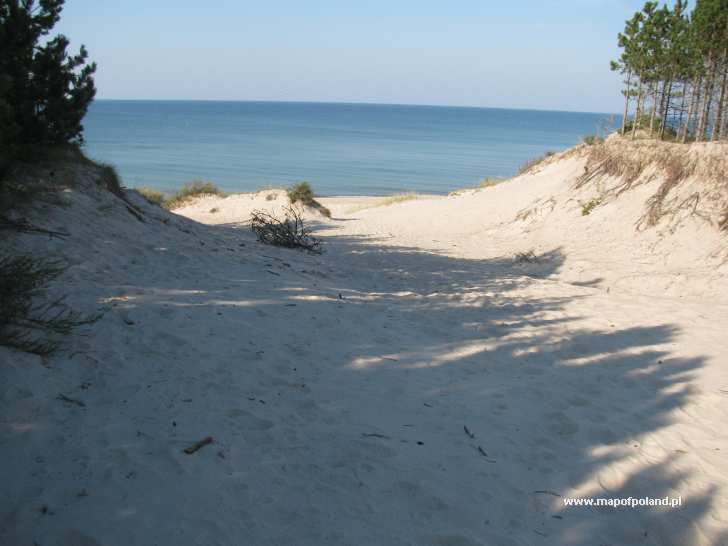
(153, 196)
(532, 163)
(189, 191)
(26, 324)
(288, 232)
(303, 193)
(590, 205)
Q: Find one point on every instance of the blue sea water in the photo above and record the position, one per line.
(341, 149)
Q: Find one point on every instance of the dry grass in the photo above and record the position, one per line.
(527, 257)
(398, 198)
(489, 182)
(153, 196)
(623, 164)
(531, 164)
(388, 201)
(54, 169)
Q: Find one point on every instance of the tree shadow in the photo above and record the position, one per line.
(460, 397)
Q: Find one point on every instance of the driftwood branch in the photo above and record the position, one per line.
(198, 445)
(288, 232)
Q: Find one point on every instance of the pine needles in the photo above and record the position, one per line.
(25, 323)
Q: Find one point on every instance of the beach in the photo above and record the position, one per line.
(449, 370)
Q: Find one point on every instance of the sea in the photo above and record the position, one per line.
(340, 149)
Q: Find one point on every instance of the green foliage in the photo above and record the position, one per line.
(25, 323)
(590, 205)
(153, 196)
(189, 191)
(532, 163)
(44, 91)
(303, 193)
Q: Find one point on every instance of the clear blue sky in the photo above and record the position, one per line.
(549, 54)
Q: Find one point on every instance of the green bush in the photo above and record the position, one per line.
(589, 206)
(303, 193)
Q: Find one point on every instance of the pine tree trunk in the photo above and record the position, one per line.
(638, 111)
(694, 103)
(680, 122)
(665, 106)
(707, 100)
(626, 104)
(718, 126)
(654, 109)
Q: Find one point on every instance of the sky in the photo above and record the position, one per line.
(548, 54)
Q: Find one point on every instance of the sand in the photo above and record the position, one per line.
(417, 383)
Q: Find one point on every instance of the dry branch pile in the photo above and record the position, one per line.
(288, 232)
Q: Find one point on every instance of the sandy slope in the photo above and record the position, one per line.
(337, 387)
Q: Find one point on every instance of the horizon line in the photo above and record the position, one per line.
(360, 103)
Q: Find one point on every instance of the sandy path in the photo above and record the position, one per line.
(338, 388)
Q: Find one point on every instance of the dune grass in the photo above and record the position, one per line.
(153, 196)
(181, 197)
(488, 182)
(535, 162)
(190, 191)
(389, 200)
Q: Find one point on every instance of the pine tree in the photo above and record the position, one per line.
(44, 92)
(678, 61)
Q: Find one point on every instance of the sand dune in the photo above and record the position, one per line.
(446, 372)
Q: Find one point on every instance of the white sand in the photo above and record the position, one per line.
(337, 387)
